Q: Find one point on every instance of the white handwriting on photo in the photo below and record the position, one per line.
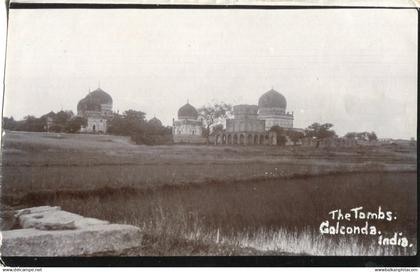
(348, 223)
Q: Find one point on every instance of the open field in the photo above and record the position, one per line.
(215, 200)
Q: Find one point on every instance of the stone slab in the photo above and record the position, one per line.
(39, 209)
(57, 219)
(89, 240)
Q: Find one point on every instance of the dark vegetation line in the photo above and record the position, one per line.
(40, 197)
(133, 123)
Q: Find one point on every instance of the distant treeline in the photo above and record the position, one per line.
(316, 131)
(319, 132)
(131, 123)
(62, 121)
(151, 132)
(362, 136)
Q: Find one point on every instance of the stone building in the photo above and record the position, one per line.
(96, 107)
(245, 128)
(188, 128)
(252, 124)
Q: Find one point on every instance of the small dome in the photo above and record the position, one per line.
(94, 100)
(187, 112)
(272, 99)
(155, 122)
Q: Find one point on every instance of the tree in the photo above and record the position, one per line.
(133, 123)
(217, 129)
(372, 136)
(75, 124)
(295, 136)
(213, 114)
(9, 123)
(60, 120)
(116, 125)
(129, 123)
(351, 135)
(31, 123)
(320, 131)
(155, 133)
(362, 136)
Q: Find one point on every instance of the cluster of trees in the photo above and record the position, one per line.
(213, 115)
(62, 121)
(283, 134)
(134, 124)
(315, 131)
(362, 136)
(318, 132)
(131, 123)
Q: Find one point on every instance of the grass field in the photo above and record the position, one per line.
(215, 200)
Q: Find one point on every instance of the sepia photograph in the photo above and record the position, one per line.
(209, 131)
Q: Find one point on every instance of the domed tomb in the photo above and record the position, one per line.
(187, 112)
(94, 101)
(188, 128)
(272, 99)
(96, 107)
(272, 109)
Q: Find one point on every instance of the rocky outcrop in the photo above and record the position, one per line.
(49, 231)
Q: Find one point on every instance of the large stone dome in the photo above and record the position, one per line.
(187, 112)
(94, 100)
(272, 99)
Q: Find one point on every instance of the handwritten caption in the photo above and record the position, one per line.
(342, 223)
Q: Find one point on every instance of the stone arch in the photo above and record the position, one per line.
(235, 139)
(249, 139)
(241, 139)
(217, 140)
(224, 139)
(255, 139)
(261, 139)
(229, 139)
(266, 139)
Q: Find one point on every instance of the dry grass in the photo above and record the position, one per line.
(280, 216)
(207, 200)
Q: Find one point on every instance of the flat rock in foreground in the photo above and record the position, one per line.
(53, 232)
(57, 220)
(90, 240)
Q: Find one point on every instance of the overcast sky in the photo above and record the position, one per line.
(354, 68)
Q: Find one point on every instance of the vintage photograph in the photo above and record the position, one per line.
(204, 131)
